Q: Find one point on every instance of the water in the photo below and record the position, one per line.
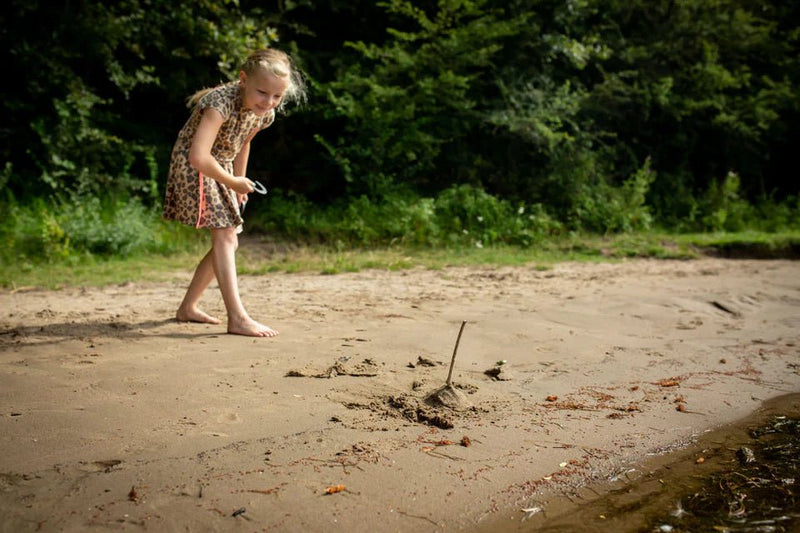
(741, 478)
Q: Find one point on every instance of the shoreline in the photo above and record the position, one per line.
(113, 415)
(624, 501)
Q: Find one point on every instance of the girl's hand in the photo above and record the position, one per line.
(242, 198)
(242, 185)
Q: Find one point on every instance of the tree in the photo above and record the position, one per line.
(408, 101)
(98, 86)
(704, 88)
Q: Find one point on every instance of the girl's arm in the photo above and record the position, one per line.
(200, 154)
(240, 162)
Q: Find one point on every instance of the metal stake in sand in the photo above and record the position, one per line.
(449, 396)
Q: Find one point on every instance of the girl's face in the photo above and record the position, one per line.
(262, 91)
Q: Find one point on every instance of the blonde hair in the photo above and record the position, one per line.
(273, 62)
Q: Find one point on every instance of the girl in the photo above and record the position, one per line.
(207, 185)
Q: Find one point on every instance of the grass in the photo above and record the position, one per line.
(91, 272)
(748, 244)
(258, 256)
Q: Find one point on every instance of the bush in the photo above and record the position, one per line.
(289, 215)
(67, 228)
(468, 215)
(460, 215)
(721, 209)
(598, 206)
(773, 217)
(724, 209)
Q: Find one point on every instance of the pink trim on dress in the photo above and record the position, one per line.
(201, 205)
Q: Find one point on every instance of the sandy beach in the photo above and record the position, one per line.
(113, 416)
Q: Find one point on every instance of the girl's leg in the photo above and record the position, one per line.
(223, 253)
(189, 310)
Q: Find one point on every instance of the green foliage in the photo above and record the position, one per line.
(114, 229)
(458, 216)
(69, 228)
(83, 116)
(408, 100)
(725, 209)
(465, 216)
(86, 159)
(394, 218)
(722, 209)
(603, 208)
(471, 216)
(432, 123)
(559, 103)
(772, 217)
(541, 113)
(700, 86)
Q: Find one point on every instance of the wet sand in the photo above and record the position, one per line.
(657, 494)
(115, 416)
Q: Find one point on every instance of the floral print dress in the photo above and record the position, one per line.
(200, 201)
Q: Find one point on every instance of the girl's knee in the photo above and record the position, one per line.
(225, 237)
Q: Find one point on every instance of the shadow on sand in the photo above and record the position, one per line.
(64, 331)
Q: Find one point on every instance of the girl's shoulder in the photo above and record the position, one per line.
(224, 98)
(267, 119)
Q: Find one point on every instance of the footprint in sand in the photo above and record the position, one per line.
(222, 419)
(229, 418)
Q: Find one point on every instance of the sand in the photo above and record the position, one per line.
(116, 417)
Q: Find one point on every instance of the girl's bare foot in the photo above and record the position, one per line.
(250, 328)
(195, 315)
